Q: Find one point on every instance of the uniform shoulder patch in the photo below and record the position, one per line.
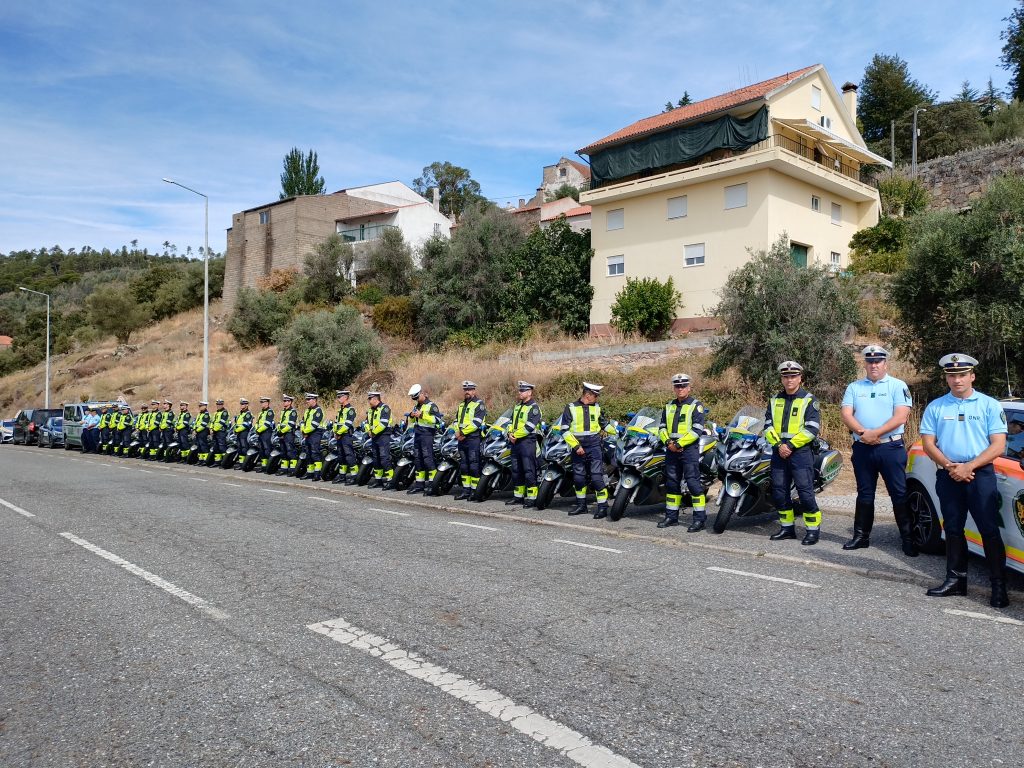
(700, 409)
(1002, 415)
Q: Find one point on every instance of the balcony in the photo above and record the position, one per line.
(364, 232)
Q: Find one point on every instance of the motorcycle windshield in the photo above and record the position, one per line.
(747, 423)
(555, 447)
(501, 423)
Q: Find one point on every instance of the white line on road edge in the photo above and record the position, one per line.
(471, 525)
(550, 733)
(973, 615)
(232, 485)
(271, 490)
(321, 498)
(147, 471)
(388, 511)
(766, 578)
(19, 510)
(201, 479)
(587, 546)
(152, 578)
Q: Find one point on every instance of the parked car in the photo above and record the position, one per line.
(7, 430)
(74, 414)
(28, 421)
(924, 503)
(51, 434)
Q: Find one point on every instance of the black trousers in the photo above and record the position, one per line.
(265, 437)
(382, 450)
(524, 462)
(469, 455)
(681, 467)
(288, 450)
(423, 450)
(184, 443)
(797, 470)
(980, 497)
(312, 441)
(347, 451)
(203, 441)
(105, 435)
(220, 441)
(886, 459)
(243, 442)
(593, 461)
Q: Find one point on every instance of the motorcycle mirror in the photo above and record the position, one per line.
(630, 415)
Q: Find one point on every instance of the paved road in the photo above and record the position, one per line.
(164, 616)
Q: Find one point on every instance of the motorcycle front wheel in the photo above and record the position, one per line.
(619, 504)
(729, 504)
(486, 486)
(546, 492)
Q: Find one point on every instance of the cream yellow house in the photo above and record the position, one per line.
(685, 193)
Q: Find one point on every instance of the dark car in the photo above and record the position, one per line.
(51, 434)
(29, 420)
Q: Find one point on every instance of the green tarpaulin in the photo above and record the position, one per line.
(678, 145)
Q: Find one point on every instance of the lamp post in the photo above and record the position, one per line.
(913, 144)
(40, 293)
(206, 285)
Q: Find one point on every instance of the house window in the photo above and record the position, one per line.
(815, 203)
(798, 254)
(677, 207)
(562, 172)
(816, 97)
(616, 219)
(837, 214)
(437, 228)
(264, 217)
(736, 196)
(616, 265)
(834, 260)
(693, 255)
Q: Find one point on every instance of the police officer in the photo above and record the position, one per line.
(794, 420)
(963, 432)
(682, 423)
(344, 426)
(153, 431)
(264, 432)
(106, 419)
(182, 426)
(123, 430)
(585, 423)
(875, 409)
(90, 431)
(286, 429)
(378, 419)
(523, 432)
(242, 424)
(164, 428)
(219, 429)
(426, 418)
(313, 434)
(469, 423)
(202, 431)
(142, 425)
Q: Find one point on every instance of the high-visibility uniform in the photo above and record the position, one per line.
(182, 427)
(425, 428)
(470, 418)
(682, 422)
(379, 421)
(524, 427)
(344, 425)
(286, 429)
(265, 433)
(794, 420)
(219, 431)
(584, 430)
(202, 430)
(313, 433)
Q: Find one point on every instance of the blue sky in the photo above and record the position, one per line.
(99, 100)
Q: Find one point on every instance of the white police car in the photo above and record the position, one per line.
(924, 503)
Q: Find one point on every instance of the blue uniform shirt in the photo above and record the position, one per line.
(962, 427)
(873, 402)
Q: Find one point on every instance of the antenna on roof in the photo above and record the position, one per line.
(1009, 391)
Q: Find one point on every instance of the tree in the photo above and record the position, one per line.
(1008, 122)
(1013, 51)
(555, 275)
(646, 306)
(774, 310)
(457, 189)
(301, 175)
(326, 267)
(949, 128)
(902, 196)
(114, 310)
(967, 93)
(990, 102)
(326, 350)
(260, 315)
(887, 93)
(391, 266)
(684, 101)
(566, 190)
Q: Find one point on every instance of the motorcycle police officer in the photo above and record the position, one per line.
(425, 418)
(165, 426)
(182, 426)
(469, 422)
(264, 432)
(153, 431)
(963, 432)
(286, 430)
(794, 420)
(378, 419)
(123, 427)
(202, 431)
(583, 436)
(875, 409)
(219, 428)
(242, 425)
(523, 432)
(106, 423)
(313, 433)
(142, 425)
(344, 426)
(682, 423)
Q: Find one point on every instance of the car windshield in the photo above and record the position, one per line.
(1015, 433)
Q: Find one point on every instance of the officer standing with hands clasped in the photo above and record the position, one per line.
(794, 421)
(875, 409)
(682, 423)
(242, 425)
(182, 426)
(469, 422)
(219, 429)
(344, 426)
(583, 436)
(312, 432)
(378, 420)
(264, 432)
(286, 429)
(202, 430)
(522, 433)
(963, 432)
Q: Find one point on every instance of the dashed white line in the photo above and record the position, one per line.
(471, 525)
(321, 498)
(200, 479)
(587, 546)
(765, 578)
(550, 733)
(985, 616)
(147, 471)
(87, 461)
(271, 490)
(388, 511)
(152, 578)
(19, 510)
(232, 485)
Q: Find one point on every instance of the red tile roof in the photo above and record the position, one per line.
(681, 115)
(583, 168)
(583, 210)
(6, 341)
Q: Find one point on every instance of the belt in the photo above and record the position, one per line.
(889, 439)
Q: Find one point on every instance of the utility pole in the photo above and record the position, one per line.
(892, 144)
(913, 145)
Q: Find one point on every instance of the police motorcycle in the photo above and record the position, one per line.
(276, 455)
(496, 457)
(641, 461)
(250, 459)
(303, 458)
(744, 467)
(403, 453)
(555, 471)
(231, 453)
(332, 457)
(446, 445)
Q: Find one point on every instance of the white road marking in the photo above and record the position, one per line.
(587, 546)
(87, 461)
(152, 578)
(471, 525)
(271, 490)
(550, 733)
(147, 471)
(766, 578)
(232, 485)
(985, 616)
(19, 510)
(321, 498)
(388, 511)
(200, 480)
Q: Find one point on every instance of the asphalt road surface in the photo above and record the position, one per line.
(171, 616)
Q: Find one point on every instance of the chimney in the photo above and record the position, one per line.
(435, 196)
(522, 202)
(850, 99)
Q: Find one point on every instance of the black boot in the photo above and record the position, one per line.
(374, 482)
(416, 488)
(905, 522)
(863, 518)
(784, 532)
(956, 568)
(602, 511)
(515, 501)
(668, 522)
(579, 509)
(995, 556)
(696, 526)
(811, 536)
(462, 494)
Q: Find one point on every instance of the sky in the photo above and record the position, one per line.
(101, 100)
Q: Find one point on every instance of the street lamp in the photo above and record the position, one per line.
(913, 144)
(40, 293)
(206, 285)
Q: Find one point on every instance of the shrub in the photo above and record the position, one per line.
(259, 315)
(395, 316)
(390, 264)
(646, 306)
(326, 268)
(279, 280)
(881, 248)
(368, 293)
(114, 310)
(326, 350)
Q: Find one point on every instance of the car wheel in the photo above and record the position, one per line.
(927, 525)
